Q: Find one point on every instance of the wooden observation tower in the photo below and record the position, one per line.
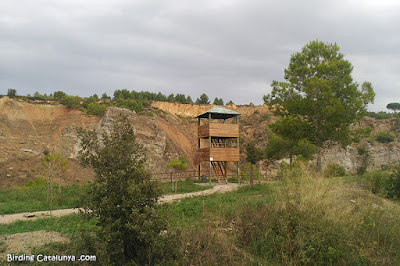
(218, 141)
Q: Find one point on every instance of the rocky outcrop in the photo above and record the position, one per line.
(27, 130)
(381, 155)
(26, 127)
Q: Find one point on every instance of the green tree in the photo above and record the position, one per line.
(203, 99)
(71, 101)
(104, 96)
(287, 139)
(37, 96)
(189, 100)
(218, 101)
(229, 103)
(58, 95)
(88, 101)
(171, 98)
(54, 165)
(122, 197)
(11, 93)
(96, 109)
(393, 106)
(320, 89)
(253, 156)
(293, 132)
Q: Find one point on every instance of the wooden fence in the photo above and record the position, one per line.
(194, 175)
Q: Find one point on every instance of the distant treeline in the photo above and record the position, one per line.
(133, 100)
(382, 115)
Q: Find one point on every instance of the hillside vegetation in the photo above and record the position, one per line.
(307, 220)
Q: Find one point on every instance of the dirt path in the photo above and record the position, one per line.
(217, 188)
(10, 218)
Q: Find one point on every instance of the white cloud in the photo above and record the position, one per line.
(229, 49)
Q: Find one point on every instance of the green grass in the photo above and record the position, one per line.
(303, 221)
(68, 225)
(186, 212)
(183, 187)
(29, 199)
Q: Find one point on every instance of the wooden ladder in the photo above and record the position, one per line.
(218, 166)
(219, 170)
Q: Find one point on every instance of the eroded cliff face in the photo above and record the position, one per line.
(381, 154)
(27, 130)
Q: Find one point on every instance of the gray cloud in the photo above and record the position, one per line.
(229, 49)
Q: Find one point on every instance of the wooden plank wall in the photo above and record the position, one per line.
(203, 131)
(220, 154)
(219, 130)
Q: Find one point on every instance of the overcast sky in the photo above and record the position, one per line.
(224, 48)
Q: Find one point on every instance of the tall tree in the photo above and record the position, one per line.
(218, 101)
(203, 99)
(320, 89)
(58, 95)
(290, 133)
(171, 98)
(11, 93)
(393, 106)
(189, 100)
(122, 198)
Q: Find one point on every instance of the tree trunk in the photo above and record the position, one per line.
(290, 165)
(59, 188)
(251, 175)
(318, 155)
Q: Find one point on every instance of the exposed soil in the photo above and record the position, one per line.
(25, 242)
(216, 189)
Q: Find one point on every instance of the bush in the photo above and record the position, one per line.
(379, 115)
(384, 137)
(377, 182)
(393, 184)
(313, 224)
(12, 93)
(123, 198)
(334, 170)
(71, 101)
(96, 109)
(39, 182)
(58, 95)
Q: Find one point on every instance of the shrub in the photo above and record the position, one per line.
(12, 93)
(312, 224)
(59, 95)
(39, 182)
(363, 159)
(96, 109)
(384, 137)
(150, 114)
(393, 184)
(334, 170)
(377, 182)
(123, 198)
(71, 101)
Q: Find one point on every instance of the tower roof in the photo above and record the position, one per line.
(218, 112)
